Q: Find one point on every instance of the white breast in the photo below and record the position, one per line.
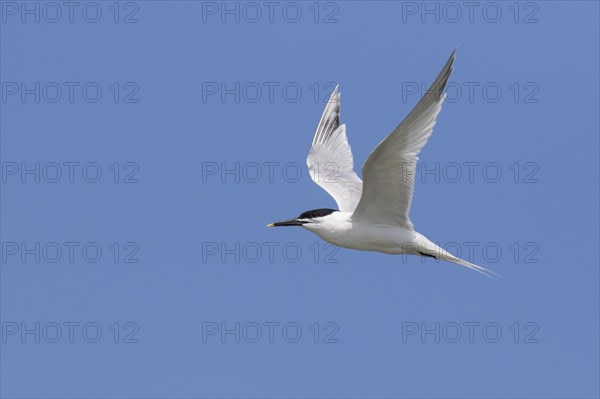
(339, 229)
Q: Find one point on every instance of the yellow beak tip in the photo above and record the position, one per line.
(270, 225)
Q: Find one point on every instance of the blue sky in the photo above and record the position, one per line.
(145, 146)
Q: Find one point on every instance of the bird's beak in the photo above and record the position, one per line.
(291, 222)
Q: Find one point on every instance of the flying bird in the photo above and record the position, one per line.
(373, 214)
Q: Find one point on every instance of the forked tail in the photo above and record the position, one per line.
(439, 253)
(472, 266)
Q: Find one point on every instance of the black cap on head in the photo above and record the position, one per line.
(300, 220)
(316, 213)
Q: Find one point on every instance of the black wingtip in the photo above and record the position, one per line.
(437, 87)
(451, 59)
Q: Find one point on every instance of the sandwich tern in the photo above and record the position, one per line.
(373, 214)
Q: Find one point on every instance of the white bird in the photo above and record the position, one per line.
(373, 215)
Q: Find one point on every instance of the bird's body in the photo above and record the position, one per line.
(374, 214)
(339, 229)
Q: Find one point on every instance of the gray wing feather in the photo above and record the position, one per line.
(389, 172)
(330, 162)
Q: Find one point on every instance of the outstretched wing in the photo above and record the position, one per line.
(330, 161)
(389, 172)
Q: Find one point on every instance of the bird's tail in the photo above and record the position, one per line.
(437, 252)
(472, 266)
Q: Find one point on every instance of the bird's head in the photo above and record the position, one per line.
(316, 216)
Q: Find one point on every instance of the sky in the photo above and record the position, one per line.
(145, 145)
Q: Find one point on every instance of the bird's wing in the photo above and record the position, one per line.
(330, 161)
(389, 172)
